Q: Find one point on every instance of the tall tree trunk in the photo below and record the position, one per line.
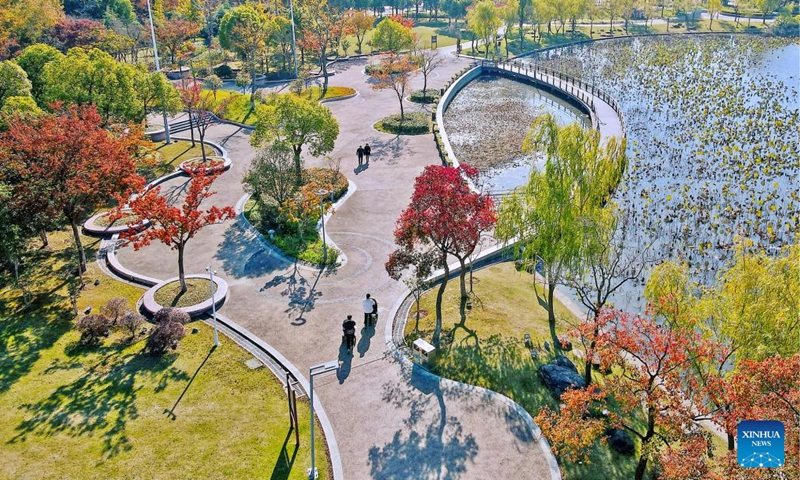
(437, 332)
(641, 468)
(298, 172)
(551, 312)
(201, 131)
(252, 85)
(731, 442)
(181, 272)
(191, 128)
(323, 58)
(81, 252)
(462, 279)
(43, 237)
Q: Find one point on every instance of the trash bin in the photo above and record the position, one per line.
(423, 352)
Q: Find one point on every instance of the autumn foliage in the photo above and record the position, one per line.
(66, 165)
(174, 225)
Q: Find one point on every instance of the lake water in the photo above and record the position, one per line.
(487, 122)
(713, 147)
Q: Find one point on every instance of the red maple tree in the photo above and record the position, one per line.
(174, 225)
(66, 165)
(447, 214)
(652, 379)
(173, 33)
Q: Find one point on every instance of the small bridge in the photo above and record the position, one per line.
(604, 111)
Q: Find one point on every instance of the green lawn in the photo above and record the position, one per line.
(168, 157)
(488, 350)
(113, 412)
(424, 32)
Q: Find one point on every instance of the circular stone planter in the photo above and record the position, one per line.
(221, 293)
(93, 228)
(220, 165)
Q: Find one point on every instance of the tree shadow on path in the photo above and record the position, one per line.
(244, 256)
(428, 448)
(300, 292)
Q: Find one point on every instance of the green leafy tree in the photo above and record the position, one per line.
(483, 21)
(765, 7)
(213, 83)
(13, 81)
(32, 60)
(246, 29)
(156, 93)
(271, 176)
(392, 36)
(18, 108)
(296, 122)
(546, 218)
(713, 7)
(94, 78)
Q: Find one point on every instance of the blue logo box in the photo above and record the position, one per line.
(760, 444)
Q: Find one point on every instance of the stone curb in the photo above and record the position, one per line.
(149, 303)
(555, 471)
(322, 416)
(239, 208)
(406, 364)
(91, 228)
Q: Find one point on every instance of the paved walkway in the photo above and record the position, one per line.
(389, 422)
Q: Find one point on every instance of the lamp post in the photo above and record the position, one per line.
(322, 193)
(316, 370)
(294, 51)
(158, 69)
(211, 274)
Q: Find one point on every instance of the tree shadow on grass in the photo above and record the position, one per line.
(429, 447)
(102, 401)
(24, 334)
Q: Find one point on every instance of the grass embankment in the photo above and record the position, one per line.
(111, 411)
(423, 29)
(238, 108)
(197, 291)
(582, 33)
(488, 350)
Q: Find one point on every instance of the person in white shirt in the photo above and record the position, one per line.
(370, 307)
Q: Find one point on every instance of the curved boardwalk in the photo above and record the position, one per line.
(389, 422)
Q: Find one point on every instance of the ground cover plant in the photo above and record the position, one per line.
(98, 406)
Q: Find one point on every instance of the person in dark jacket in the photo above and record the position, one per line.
(367, 152)
(349, 328)
(360, 154)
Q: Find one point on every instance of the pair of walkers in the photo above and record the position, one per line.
(362, 152)
(370, 306)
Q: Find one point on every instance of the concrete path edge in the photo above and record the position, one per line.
(406, 363)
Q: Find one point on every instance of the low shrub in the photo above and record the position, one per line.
(130, 323)
(93, 328)
(114, 309)
(431, 96)
(413, 124)
(165, 336)
(169, 314)
(223, 71)
(786, 26)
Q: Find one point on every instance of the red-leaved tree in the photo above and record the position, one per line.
(652, 380)
(173, 225)
(448, 215)
(66, 165)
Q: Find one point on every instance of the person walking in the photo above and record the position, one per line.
(367, 152)
(349, 328)
(360, 154)
(370, 307)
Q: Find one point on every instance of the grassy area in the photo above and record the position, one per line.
(488, 350)
(113, 412)
(170, 295)
(238, 109)
(169, 156)
(423, 31)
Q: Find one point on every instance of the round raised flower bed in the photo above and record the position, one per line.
(102, 224)
(212, 165)
(195, 301)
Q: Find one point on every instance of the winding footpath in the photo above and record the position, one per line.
(390, 421)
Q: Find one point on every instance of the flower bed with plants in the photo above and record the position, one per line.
(212, 164)
(416, 123)
(292, 227)
(430, 96)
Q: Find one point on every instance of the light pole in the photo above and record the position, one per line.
(158, 69)
(213, 304)
(322, 193)
(294, 51)
(316, 370)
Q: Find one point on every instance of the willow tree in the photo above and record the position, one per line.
(483, 21)
(547, 218)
